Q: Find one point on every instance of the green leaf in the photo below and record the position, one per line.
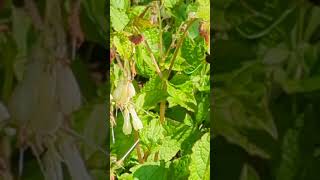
(169, 3)
(180, 64)
(152, 92)
(120, 4)
(182, 97)
(203, 108)
(144, 64)
(151, 35)
(123, 45)
(169, 149)
(289, 156)
(152, 170)
(151, 134)
(178, 168)
(119, 19)
(192, 51)
(200, 159)
(204, 10)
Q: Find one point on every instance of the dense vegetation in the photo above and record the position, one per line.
(266, 90)
(160, 83)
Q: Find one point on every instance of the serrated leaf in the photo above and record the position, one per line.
(144, 64)
(152, 37)
(119, 19)
(153, 92)
(123, 45)
(169, 149)
(181, 97)
(192, 52)
(200, 159)
(152, 133)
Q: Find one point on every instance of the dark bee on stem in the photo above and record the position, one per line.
(136, 39)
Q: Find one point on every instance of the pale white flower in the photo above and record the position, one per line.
(136, 122)
(131, 90)
(126, 128)
(123, 93)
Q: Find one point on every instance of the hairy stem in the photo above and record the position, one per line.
(136, 138)
(162, 111)
(154, 61)
(160, 32)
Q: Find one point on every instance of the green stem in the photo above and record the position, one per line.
(136, 138)
(179, 45)
(153, 59)
(160, 33)
(162, 111)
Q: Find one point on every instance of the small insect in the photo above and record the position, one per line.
(136, 39)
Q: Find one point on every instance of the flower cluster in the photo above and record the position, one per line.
(122, 96)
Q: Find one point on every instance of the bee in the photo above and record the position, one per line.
(136, 39)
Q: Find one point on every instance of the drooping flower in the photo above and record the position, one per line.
(126, 128)
(136, 122)
(131, 90)
(123, 93)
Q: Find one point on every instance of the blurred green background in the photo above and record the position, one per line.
(265, 95)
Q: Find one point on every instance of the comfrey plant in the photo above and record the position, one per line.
(160, 83)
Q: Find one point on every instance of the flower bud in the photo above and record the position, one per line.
(136, 122)
(126, 128)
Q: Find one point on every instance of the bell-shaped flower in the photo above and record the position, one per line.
(123, 93)
(126, 128)
(131, 90)
(136, 122)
